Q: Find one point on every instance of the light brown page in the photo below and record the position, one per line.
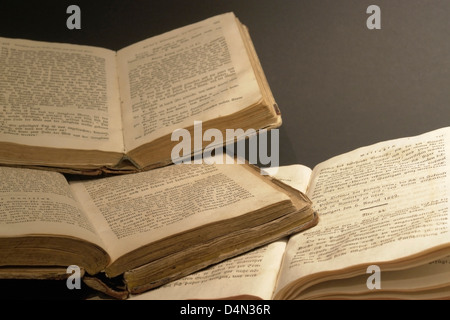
(35, 202)
(131, 211)
(195, 73)
(59, 95)
(253, 274)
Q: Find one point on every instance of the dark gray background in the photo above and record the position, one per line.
(339, 85)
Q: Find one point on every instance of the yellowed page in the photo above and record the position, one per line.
(36, 202)
(59, 95)
(134, 210)
(195, 73)
(376, 204)
(252, 274)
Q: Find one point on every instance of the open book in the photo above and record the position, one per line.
(385, 205)
(145, 229)
(86, 109)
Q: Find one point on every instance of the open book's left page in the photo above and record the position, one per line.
(40, 202)
(36, 206)
(58, 96)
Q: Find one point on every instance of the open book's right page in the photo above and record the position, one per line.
(384, 204)
(198, 72)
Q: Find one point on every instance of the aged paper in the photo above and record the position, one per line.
(131, 211)
(195, 73)
(41, 202)
(59, 95)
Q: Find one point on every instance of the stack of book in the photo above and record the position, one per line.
(93, 151)
(87, 150)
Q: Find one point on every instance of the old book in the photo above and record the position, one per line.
(141, 230)
(383, 206)
(84, 109)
